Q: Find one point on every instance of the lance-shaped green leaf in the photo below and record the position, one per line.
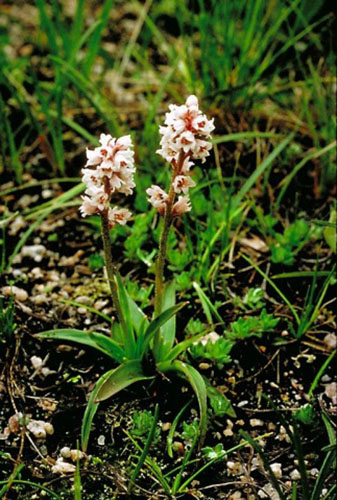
(90, 411)
(109, 345)
(138, 318)
(198, 385)
(96, 340)
(129, 341)
(121, 377)
(182, 346)
(168, 330)
(157, 323)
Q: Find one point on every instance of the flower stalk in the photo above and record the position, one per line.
(109, 169)
(184, 138)
(168, 217)
(111, 270)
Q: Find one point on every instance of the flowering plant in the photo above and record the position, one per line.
(134, 338)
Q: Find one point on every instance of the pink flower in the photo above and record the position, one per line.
(87, 207)
(182, 183)
(181, 206)
(118, 216)
(157, 198)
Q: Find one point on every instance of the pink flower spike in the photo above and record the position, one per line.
(185, 126)
(113, 171)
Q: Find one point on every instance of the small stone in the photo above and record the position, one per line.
(35, 252)
(228, 432)
(76, 455)
(37, 428)
(235, 496)
(65, 452)
(46, 193)
(204, 366)
(178, 447)
(166, 426)
(19, 293)
(277, 469)
(331, 391)
(242, 403)
(210, 337)
(72, 260)
(101, 440)
(256, 422)
(283, 435)
(99, 304)
(14, 423)
(62, 467)
(268, 492)
(83, 299)
(18, 224)
(37, 362)
(331, 341)
(40, 299)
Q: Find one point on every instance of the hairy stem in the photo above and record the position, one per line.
(159, 285)
(111, 269)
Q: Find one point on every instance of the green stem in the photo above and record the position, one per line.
(111, 269)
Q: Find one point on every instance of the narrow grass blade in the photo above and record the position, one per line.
(91, 410)
(48, 26)
(320, 373)
(77, 479)
(33, 485)
(276, 288)
(8, 483)
(266, 463)
(198, 385)
(324, 471)
(241, 136)
(209, 309)
(95, 41)
(173, 429)
(145, 451)
(287, 180)
(267, 162)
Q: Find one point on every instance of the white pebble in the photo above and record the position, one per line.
(295, 475)
(331, 340)
(62, 467)
(19, 293)
(277, 469)
(256, 422)
(101, 440)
